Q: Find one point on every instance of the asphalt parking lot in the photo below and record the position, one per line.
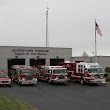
(73, 96)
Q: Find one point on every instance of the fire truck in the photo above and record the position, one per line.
(23, 74)
(55, 74)
(84, 72)
(4, 79)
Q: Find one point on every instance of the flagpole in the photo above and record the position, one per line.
(99, 32)
(95, 44)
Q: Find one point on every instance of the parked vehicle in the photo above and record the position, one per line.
(23, 74)
(84, 72)
(4, 79)
(55, 74)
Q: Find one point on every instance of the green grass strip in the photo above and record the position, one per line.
(8, 103)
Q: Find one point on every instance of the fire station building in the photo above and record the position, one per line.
(17, 55)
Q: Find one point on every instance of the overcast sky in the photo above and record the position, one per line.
(71, 24)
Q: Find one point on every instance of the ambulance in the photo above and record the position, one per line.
(84, 72)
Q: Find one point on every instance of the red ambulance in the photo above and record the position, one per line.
(84, 72)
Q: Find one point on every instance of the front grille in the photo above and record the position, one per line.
(28, 77)
(97, 76)
(61, 77)
(4, 81)
(101, 76)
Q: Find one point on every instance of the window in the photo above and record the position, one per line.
(81, 70)
(27, 71)
(60, 71)
(49, 71)
(78, 69)
(46, 71)
(3, 75)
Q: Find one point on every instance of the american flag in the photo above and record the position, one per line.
(97, 29)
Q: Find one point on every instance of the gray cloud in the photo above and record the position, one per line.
(71, 24)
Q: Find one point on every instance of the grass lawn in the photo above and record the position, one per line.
(8, 103)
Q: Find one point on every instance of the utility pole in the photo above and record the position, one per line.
(47, 37)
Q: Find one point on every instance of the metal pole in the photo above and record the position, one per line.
(95, 44)
(47, 41)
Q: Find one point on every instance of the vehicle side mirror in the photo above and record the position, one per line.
(85, 71)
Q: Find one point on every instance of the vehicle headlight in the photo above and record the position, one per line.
(23, 79)
(56, 78)
(65, 76)
(35, 79)
(92, 77)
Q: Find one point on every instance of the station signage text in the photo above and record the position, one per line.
(29, 52)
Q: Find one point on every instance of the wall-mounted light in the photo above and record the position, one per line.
(16, 57)
(37, 57)
(93, 53)
(57, 56)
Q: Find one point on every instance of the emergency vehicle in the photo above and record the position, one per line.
(55, 74)
(4, 79)
(84, 72)
(23, 74)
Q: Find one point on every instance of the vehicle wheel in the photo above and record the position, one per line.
(82, 80)
(11, 79)
(19, 83)
(48, 80)
(35, 84)
(9, 85)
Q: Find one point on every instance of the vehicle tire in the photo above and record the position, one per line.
(9, 85)
(82, 80)
(35, 84)
(19, 84)
(12, 79)
(49, 80)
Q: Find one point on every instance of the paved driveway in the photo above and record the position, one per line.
(73, 96)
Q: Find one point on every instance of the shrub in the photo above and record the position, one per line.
(105, 75)
(108, 79)
(107, 69)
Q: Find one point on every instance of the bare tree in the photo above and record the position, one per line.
(84, 54)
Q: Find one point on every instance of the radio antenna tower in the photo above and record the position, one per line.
(47, 37)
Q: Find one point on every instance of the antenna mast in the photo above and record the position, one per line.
(47, 40)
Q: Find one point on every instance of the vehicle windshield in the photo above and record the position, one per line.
(59, 71)
(3, 75)
(26, 71)
(95, 70)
